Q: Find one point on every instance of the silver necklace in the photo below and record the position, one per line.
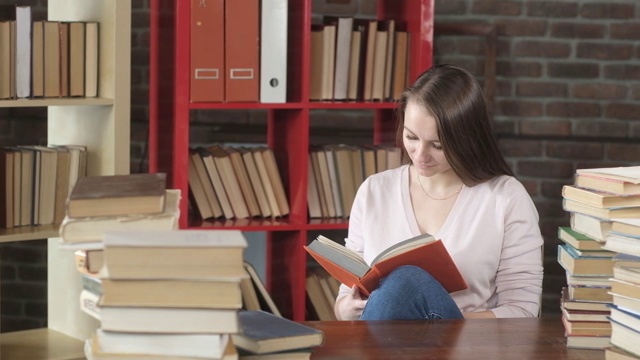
(434, 198)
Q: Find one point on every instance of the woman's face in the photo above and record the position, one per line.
(420, 138)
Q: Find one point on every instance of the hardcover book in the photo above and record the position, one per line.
(263, 332)
(91, 229)
(172, 293)
(620, 243)
(578, 240)
(630, 227)
(598, 198)
(602, 213)
(93, 350)
(174, 254)
(206, 346)
(569, 304)
(624, 330)
(617, 180)
(587, 328)
(590, 226)
(423, 251)
(169, 320)
(117, 195)
(583, 265)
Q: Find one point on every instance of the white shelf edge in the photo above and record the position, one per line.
(55, 102)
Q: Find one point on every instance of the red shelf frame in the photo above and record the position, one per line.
(287, 128)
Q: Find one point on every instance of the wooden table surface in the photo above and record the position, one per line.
(537, 338)
(40, 344)
(534, 338)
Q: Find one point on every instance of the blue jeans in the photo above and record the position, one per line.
(410, 293)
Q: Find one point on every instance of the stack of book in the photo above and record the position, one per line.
(266, 336)
(169, 294)
(115, 202)
(621, 235)
(598, 199)
(625, 310)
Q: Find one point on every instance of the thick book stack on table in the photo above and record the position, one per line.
(169, 294)
(115, 202)
(600, 260)
(112, 202)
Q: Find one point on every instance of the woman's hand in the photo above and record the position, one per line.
(350, 306)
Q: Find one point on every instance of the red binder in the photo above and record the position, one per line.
(207, 51)
(242, 56)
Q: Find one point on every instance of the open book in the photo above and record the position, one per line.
(423, 251)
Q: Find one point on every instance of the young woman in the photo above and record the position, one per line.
(457, 186)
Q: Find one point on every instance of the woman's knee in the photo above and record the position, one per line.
(411, 275)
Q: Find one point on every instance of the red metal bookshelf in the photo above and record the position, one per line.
(288, 127)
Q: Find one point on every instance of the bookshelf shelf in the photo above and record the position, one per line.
(55, 102)
(289, 132)
(256, 224)
(231, 106)
(352, 105)
(103, 126)
(24, 233)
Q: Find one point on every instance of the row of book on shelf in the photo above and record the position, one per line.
(236, 182)
(336, 171)
(35, 182)
(40, 58)
(358, 59)
(322, 291)
(600, 252)
(158, 292)
(243, 182)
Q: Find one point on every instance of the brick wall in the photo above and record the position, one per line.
(567, 96)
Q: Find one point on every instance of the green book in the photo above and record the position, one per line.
(264, 332)
(578, 240)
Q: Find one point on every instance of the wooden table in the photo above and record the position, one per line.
(535, 338)
(539, 338)
(40, 344)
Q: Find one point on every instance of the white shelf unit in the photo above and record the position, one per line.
(103, 125)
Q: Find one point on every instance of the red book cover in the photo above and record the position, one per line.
(242, 57)
(432, 257)
(207, 51)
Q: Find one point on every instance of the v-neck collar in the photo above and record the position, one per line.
(410, 216)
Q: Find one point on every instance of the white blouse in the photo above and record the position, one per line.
(492, 234)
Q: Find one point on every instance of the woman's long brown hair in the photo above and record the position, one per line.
(455, 99)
